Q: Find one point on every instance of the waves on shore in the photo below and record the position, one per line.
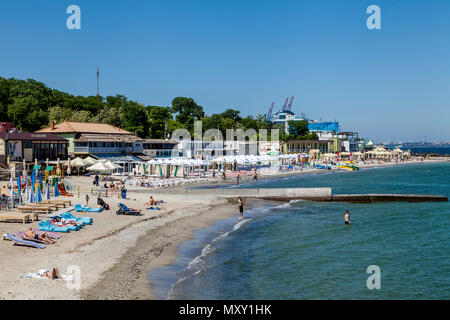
(200, 264)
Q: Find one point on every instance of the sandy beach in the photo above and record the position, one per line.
(115, 253)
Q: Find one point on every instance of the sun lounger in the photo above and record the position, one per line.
(57, 205)
(63, 203)
(123, 209)
(18, 241)
(37, 209)
(17, 216)
(23, 236)
(51, 207)
(52, 235)
(81, 208)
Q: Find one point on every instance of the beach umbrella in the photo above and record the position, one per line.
(19, 187)
(90, 160)
(110, 165)
(38, 196)
(47, 191)
(55, 189)
(31, 196)
(99, 166)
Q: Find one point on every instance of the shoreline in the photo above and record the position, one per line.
(116, 253)
(142, 288)
(154, 249)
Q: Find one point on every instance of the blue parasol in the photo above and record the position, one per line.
(55, 189)
(47, 191)
(38, 195)
(19, 188)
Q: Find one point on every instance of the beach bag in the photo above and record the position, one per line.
(106, 206)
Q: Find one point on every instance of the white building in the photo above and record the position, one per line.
(283, 117)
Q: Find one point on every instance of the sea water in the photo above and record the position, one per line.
(303, 249)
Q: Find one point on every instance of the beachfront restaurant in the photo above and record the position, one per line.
(19, 146)
(305, 146)
(119, 149)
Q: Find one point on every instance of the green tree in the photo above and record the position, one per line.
(59, 114)
(27, 115)
(187, 110)
(4, 99)
(157, 119)
(231, 114)
(172, 125)
(82, 116)
(135, 119)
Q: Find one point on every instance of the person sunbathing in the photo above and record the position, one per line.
(51, 274)
(43, 236)
(153, 202)
(58, 221)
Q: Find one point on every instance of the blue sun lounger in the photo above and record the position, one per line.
(18, 241)
(81, 208)
(83, 220)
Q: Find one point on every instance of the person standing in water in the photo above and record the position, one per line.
(238, 178)
(347, 218)
(241, 207)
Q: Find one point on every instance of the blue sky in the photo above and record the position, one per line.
(392, 83)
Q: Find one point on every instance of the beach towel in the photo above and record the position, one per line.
(47, 226)
(19, 241)
(38, 275)
(70, 223)
(153, 208)
(81, 208)
(84, 220)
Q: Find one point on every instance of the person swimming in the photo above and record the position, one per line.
(347, 218)
(241, 207)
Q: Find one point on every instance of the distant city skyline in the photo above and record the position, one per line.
(389, 84)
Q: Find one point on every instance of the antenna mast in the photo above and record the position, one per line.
(98, 86)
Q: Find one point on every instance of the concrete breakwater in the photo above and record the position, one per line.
(312, 194)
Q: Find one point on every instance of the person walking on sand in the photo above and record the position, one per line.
(87, 199)
(241, 207)
(347, 217)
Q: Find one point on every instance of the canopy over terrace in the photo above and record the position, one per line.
(126, 162)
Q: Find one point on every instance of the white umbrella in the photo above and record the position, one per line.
(77, 162)
(100, 166)
(90, 160)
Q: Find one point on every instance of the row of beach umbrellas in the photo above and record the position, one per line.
(92, 164)
(241, 159)
(179, 162)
